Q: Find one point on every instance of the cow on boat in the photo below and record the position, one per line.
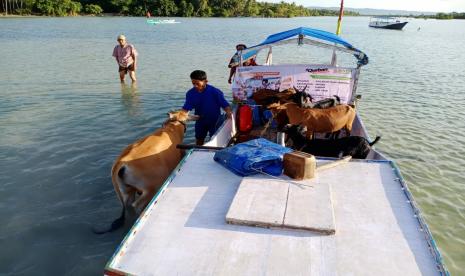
(326, 120)
(143, 166)
(266, 97)
(356, 146)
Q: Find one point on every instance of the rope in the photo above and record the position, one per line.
(266, 127)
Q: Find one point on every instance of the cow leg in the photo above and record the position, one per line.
(335, 135)
(128, 194)
(347, 131)
(142, 201)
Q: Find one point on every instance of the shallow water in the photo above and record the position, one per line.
(64, 118)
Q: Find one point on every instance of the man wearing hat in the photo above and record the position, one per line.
(234, 62)
(126, 57)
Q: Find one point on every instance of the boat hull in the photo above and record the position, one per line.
(393, 26)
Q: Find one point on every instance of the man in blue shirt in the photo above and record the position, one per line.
(207, 102)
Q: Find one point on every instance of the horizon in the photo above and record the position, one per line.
(434, 6)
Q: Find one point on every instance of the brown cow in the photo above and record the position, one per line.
(316, 120)
(266, 96)
(143, 166)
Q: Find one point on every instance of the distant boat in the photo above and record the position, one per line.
(386, 22)
(161, 21)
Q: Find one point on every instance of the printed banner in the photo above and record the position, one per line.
(320, 81)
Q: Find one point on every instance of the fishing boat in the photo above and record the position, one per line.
(378, 227)
(161, 21)
(387, 22)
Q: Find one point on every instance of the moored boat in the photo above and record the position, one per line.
(386, 22)
(161, 21)
(379, 229)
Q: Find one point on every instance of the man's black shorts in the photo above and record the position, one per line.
(126, 69)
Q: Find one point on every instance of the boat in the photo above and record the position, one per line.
(379, 228)
(387, 22)
(162, 21)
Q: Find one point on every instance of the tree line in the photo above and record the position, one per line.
(182, 8)
(441, 15)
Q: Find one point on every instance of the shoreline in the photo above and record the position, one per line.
(118, 15)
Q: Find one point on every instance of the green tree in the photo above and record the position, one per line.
(186, 9)
(45, 7)
(93, 9)
(72, 8)
(204, 9)
(58, 7)
(122, 6)
(251, 8)
(166, 8)
(443, 16)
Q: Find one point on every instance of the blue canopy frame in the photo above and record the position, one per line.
(303, 35)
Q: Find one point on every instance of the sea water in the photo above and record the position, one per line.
(64, 118)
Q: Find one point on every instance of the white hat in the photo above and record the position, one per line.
(121, 37)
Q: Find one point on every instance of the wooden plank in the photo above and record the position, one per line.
(309, 207)
(259, 201)
(269, 202)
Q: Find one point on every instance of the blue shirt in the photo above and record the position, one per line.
(207, 104)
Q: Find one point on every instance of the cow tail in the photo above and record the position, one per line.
(119, 222)
(116, 224)
(375, 141)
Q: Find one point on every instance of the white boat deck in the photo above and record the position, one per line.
(184, 232)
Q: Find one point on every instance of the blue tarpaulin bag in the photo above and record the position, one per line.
(254, 156)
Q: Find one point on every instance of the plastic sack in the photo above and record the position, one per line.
(252, 157)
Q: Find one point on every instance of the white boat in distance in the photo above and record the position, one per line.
(379, 228)
(162, 21)
(386, 22)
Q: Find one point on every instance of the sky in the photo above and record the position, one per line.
(407, 5)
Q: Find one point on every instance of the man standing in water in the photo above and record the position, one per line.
(207, 102)
(126, 57)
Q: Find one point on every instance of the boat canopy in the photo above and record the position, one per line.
(303, 35)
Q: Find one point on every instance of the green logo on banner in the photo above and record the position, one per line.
(325, 77)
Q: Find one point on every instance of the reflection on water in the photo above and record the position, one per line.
(130, 99)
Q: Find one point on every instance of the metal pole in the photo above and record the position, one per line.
(339, 21)
(338, 31)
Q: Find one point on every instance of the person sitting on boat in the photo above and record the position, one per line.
(207, 101)
(234, 62)
(126, 57)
